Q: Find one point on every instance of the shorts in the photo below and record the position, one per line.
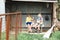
(28, 23)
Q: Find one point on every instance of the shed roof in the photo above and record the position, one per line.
(37, 0)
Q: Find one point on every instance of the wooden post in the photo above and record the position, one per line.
(7, 26)
(20, 22)
(16, 28)
(54, 13)
(0, 27)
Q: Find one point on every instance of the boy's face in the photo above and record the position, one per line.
(29, 16)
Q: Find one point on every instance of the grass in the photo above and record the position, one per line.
(30, 37)
(11, 37)
(55, 36)
(25, 36)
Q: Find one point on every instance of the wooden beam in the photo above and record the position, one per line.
(48, 33)
(0, 27)
(16, 28)
(10, 13)
(7, 26)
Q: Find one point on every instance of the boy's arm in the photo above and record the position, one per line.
(32, 19)
(41, 21)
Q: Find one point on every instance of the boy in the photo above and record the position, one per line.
(29, 22)
(39, 21)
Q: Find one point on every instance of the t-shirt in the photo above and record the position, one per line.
(39, 20)
(28, 19)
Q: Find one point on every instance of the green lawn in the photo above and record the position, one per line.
(55, 36)
(30, 37)
(24, 36)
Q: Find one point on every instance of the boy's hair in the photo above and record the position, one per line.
(28, 15)
(39, 14)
